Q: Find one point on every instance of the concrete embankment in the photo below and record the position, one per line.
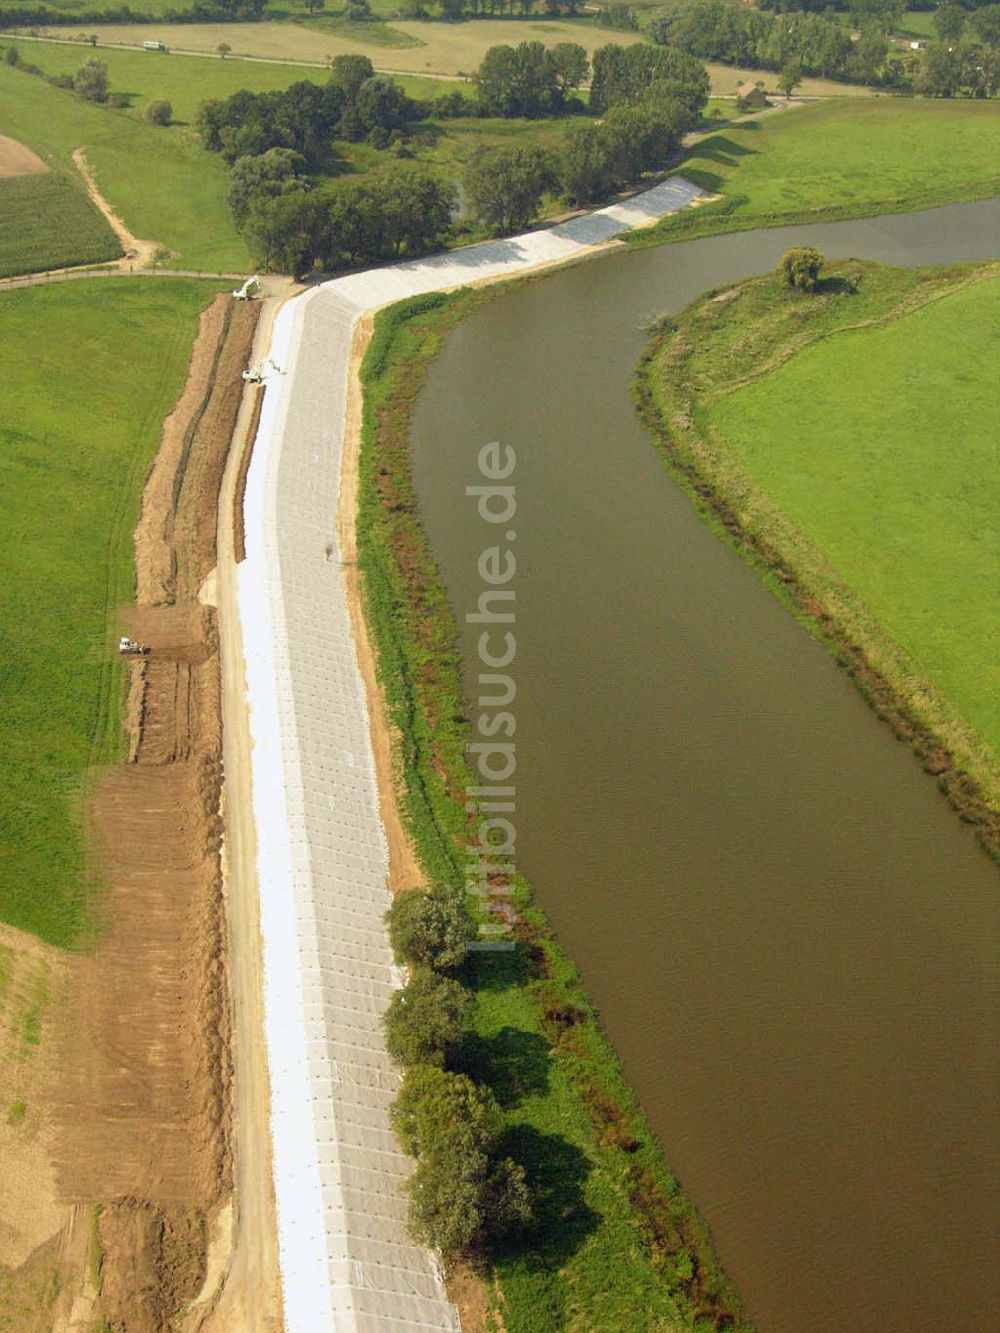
(346, 1260)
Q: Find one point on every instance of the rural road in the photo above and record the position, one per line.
(345, 1257)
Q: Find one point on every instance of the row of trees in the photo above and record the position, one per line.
(963, 70)
(464, 1191)
(534, 80)
(293, 228)
(816, 43)
(354, 104)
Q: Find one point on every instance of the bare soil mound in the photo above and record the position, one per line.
(142, 1097)
(18, 160)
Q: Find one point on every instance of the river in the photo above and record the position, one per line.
(792, 940)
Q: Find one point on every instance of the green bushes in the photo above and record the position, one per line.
(429, 929)
(463, 1192)
(426, 1021)
(799, 268)
(159, 112)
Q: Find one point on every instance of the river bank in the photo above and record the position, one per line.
(729, 338)
(603, 1182)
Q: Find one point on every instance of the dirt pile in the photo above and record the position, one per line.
(142, 1095)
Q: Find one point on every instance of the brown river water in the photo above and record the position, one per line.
(792, 939)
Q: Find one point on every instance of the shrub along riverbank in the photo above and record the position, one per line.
(863, 506)
(612, 1238)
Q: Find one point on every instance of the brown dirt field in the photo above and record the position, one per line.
(32, 981)
(17, 160)
(142, 1095)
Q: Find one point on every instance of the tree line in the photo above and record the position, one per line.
(814, 42)
(465, 1191)
(643, 99)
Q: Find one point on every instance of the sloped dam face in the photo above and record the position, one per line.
(791, 938)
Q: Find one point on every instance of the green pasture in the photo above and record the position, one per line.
(184, 81)
(845, 158)
(161, 181)
(880, 446)
(91, 368)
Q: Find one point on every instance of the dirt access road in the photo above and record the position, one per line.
(249, 1300)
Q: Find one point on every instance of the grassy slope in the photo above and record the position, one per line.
(616, 1245)
(841, 159)
(48, 222)
(162, 182)
(91, 369)
(869, 525)
(185, 81)
(887, 471)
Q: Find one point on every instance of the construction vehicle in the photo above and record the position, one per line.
(129, 648)
(248, 291)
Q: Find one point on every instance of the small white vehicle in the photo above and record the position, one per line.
(253, 375)
(129, 648)
(248, 291)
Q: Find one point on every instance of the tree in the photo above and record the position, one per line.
(436, 1111)
(425, 1021)
(159, 112)
(314, 5)
(429, 929)
(504, 186)
(252, 179)
(638, 139)
(625, 74)
(790, 77)
(446, 1202)
(570, 65)
(350, 72)
(985, 23)
(585, 165)
(949, 20)
(800, 268)
(91, 81)
(12, 57)
(522, 80)
(381, 103)
(285, 232)
(224, 49)
(416, 208)
(461, 1192)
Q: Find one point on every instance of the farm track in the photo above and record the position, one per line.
(142, 1095)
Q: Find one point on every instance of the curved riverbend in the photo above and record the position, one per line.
(792, 939)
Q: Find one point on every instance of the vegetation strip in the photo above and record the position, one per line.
(612, 1233)
(729, 339)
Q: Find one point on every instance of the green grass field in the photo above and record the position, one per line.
(91, 370)
(49, 222)
(185, 81)
(880, 446)
(847, 158)
(161, 181)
